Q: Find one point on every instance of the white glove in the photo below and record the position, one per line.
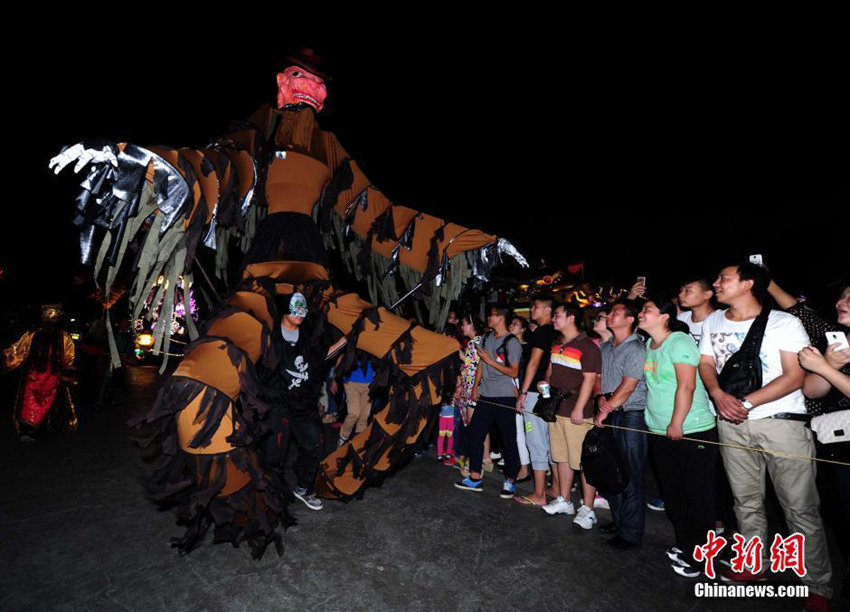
(83, 157)
(507, 248)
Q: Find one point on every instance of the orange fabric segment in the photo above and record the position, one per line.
(243, 330)
(347, 196)
(428, 347)
(255, 304)
(295, 183)
(294, 272)
(402, 216)
(417, 257)
(208, 183)
(187, 428)
(245, 170)
(376, 204)
(459, 239)
(210, 364)
(235, 480)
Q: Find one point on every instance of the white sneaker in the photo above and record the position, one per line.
(495, 456)
(586, 518)
(311, 501)
(559, 506)
(601, 502)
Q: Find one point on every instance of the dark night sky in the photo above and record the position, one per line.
(652, 157)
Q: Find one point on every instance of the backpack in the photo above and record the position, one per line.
(502, 347)
(603, 466)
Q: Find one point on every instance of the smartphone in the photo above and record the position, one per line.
(837, 338)
(757, 259)
(642, 280)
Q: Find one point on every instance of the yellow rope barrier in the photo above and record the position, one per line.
(736, 446)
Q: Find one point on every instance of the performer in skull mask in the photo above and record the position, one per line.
(45, 355)
(295, 413)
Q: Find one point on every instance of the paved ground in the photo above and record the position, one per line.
(76, 533)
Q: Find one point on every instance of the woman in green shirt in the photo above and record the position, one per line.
(677, 406)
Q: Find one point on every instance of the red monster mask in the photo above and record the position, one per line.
(296, 85)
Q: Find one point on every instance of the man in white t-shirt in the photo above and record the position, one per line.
(771, 418)
(695, 295)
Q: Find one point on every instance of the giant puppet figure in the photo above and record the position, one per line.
(282, 190)
(45, 355)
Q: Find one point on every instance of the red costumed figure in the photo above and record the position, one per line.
(45, 356)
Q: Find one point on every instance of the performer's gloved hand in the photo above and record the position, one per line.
(508, 249)
(83, 156)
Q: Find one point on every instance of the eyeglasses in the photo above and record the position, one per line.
(601, 317)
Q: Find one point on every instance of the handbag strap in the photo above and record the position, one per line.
(751, 346)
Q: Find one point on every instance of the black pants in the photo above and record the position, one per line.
(687, 471)
(482, 420)
(628, 508)
(306, 427)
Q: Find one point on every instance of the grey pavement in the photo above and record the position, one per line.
(77, 533)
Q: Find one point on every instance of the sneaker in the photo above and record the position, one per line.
(559, 506)
(673, 553)
(601, 502)
(656, 504)
(341, 441)
(501, 463)
(508, 490)
(311, 501)
(450, 462)
(730, 575)
(26, 438)
(586, 518)
(495, 456)
(683, 569)
(468, 484)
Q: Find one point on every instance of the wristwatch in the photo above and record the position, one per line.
(747, 404)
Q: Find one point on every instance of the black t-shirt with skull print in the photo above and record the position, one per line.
(299, 389)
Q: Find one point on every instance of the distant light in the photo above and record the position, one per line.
(145, 340)
(75, 337)
(72, 320)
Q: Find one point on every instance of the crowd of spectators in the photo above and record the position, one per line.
(654, 369)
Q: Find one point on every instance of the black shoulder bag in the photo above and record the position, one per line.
(741, 375)
(547, 407)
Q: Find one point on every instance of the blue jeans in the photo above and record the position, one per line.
(629, 507)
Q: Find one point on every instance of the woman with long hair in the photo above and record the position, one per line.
(600, 333)
(677, 406)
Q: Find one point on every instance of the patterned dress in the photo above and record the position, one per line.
(467, 376)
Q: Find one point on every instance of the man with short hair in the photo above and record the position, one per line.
(536, 429)
(494, 390)
(696, 295)
(623, 385)
(771, 418)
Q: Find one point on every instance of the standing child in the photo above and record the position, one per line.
(445, 440)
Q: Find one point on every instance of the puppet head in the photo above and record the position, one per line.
(302, 80)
